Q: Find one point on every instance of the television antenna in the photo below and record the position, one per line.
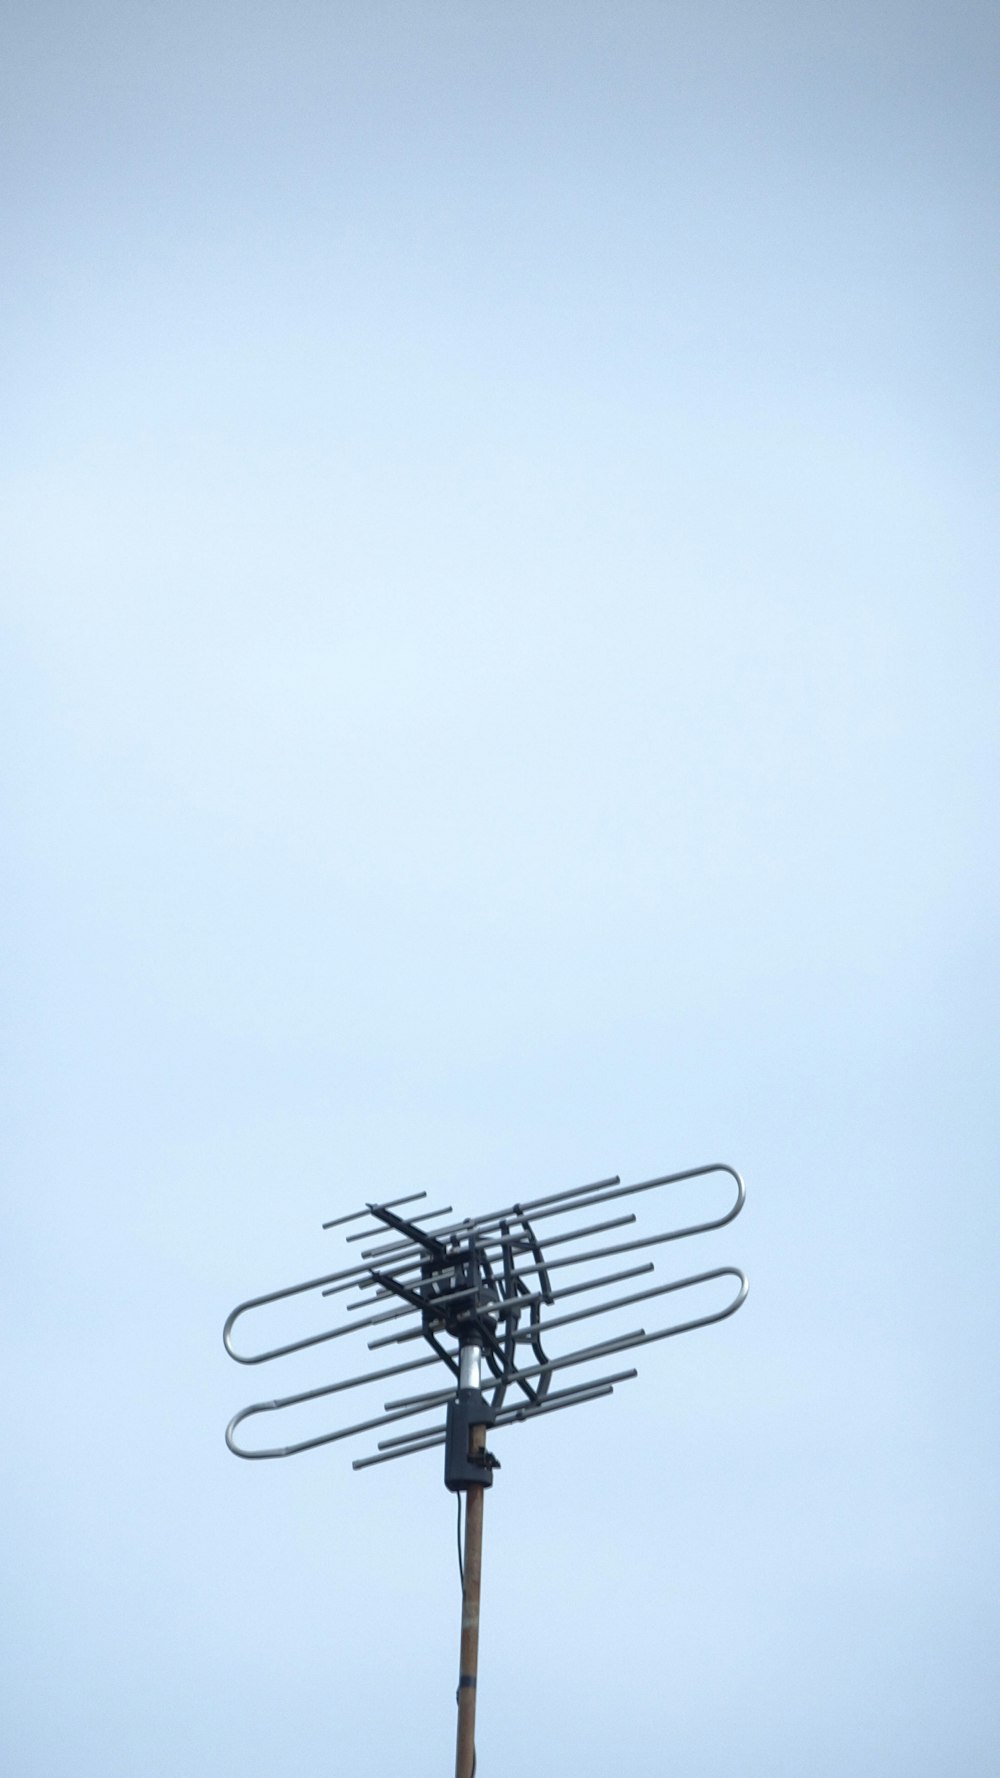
(486, 1295)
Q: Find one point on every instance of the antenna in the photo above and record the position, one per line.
(482, 1303)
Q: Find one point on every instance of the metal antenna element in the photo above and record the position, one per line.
(483, 1303)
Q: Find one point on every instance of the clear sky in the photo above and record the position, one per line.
(499, 536)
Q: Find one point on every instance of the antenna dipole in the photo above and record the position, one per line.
(481, 1301)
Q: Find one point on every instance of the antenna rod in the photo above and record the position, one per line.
(472, 1569)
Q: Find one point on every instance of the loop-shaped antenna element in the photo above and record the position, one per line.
(485, 1297)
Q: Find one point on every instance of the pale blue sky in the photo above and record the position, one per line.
(499, 526)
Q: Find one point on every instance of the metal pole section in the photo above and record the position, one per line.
(468, 1666)
(465, 1756)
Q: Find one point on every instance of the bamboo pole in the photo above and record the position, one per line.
(468, 1666)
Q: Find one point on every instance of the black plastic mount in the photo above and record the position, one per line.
(462, 1468)
(467, 1277)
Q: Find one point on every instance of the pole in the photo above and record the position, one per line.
(468, 1666)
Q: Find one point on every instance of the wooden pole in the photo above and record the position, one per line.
(468, 1666)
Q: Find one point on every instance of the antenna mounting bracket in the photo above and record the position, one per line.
(463, 1467)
